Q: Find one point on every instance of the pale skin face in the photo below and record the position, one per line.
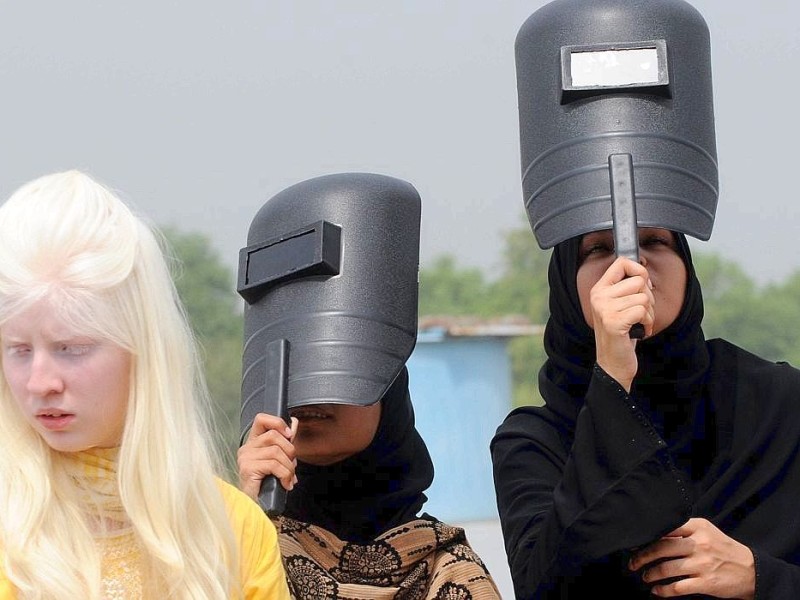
(320, 434)
(72, 388)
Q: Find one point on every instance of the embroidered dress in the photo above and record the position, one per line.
(420, 560)
(121, 566)
(351, 530)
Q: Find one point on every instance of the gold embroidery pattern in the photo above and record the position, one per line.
(122, 566)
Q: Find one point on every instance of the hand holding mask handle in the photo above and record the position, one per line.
(623, 215)
(272, 495)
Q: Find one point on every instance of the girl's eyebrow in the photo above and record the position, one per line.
(6, 338)
(73, 341)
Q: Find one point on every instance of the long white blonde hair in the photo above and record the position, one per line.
(68, 239)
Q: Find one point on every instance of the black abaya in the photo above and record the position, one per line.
(708, 430)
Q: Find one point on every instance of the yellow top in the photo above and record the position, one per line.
(261, 570)
(262, 574)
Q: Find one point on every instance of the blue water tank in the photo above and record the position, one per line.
(461, 390)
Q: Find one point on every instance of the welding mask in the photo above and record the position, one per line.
(330, 280)
(602, 78)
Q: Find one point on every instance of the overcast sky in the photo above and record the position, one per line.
(198, 112)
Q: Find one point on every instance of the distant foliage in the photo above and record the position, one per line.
(764, 320)
(206, 288)
(451, 290)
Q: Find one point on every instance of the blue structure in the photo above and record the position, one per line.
(460, 383)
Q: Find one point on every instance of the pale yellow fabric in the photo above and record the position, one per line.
(94, 472)
(261, 569)
(121, 566)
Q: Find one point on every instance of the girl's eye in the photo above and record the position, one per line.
(596, 249)
(74, 349)
(655, 240)
(17, 350)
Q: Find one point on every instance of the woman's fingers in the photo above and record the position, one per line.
(697, 558)
(264, 422)
(268, 451)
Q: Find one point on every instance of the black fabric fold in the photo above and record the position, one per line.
(708, 430)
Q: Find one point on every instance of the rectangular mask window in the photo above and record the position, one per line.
(614, 67)
(611, 68)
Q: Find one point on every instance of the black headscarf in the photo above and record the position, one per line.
(377, 489)
(729, 420)
(672, 364)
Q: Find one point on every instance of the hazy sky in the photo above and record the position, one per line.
(199, 112)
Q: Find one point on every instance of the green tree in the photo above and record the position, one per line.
(522, 285)
(765, 321)
(778, 311)
(727, 294)
(206, 288)
(447, 289)
(522, 289)
(205, 285)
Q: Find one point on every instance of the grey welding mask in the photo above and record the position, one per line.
(602, 78)
(330, 282)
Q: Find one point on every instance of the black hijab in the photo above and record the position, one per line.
(728, 417)
(672, 364)
(375, 490)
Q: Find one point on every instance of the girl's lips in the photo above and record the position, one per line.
(55, 421)
(305, 413)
